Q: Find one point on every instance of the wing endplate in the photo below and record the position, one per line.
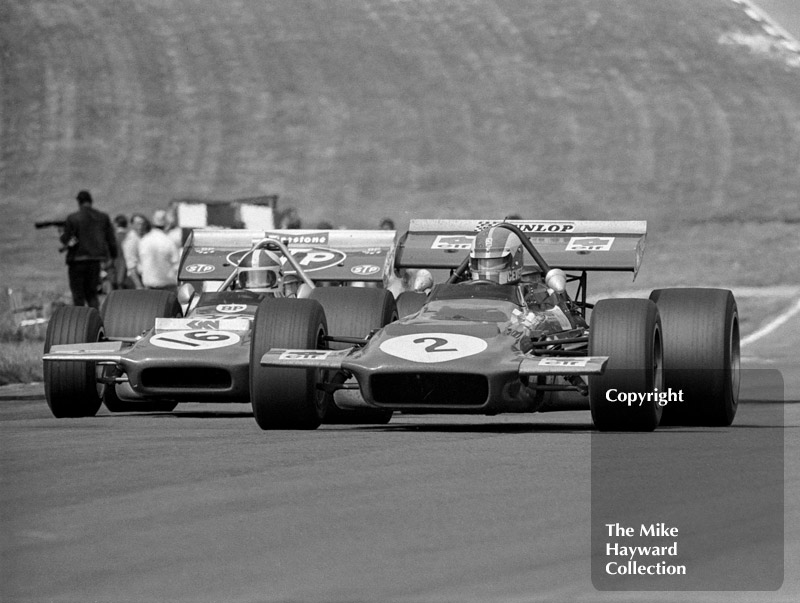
(572, 365)
(319, 359)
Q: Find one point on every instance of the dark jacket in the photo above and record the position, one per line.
(95, 236)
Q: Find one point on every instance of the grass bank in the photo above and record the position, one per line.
(677, 112)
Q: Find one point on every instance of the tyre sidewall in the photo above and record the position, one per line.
(71, 388)
(628, 331)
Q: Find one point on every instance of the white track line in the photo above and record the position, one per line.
(772, 325)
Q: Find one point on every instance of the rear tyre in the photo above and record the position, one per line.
(127, 313)
(628, 331)
(410, 302)
(71, 388)
(355, 312)
(701, 354)
(287, 398)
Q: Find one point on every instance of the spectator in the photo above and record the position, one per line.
(291, 219)
(174, 232)
(158, 256)
(130, 248)
(118, 269)
(90, 241)
(387, 224)
(324, 225)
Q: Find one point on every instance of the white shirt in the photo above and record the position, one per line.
(158, 259)
(130, 251)
(176, 236)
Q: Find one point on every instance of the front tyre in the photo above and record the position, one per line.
(701, 354)
(287, 398)
(628, 331)
(71, 388)
(127, 313)
(355, 312)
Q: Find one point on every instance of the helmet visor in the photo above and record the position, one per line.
(256, 278)
(488, 264)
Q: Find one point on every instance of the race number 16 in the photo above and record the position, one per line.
(194, 340)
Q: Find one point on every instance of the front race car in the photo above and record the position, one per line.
(524, 344)
(467, 350)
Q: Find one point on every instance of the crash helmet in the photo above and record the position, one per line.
(261, 271)
(496, 256)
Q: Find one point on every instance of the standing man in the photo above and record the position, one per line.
(130, 247)
(119, 268)
(90, 241)
(158, 256)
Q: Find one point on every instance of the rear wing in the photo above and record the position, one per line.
(325, 255)
(565, 244)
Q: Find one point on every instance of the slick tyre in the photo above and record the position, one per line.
(355, 312)
(628, 331)
(287, 398)
(127, 313)
(71, 388)
(701, 354)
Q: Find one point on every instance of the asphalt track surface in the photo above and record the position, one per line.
(200, 505)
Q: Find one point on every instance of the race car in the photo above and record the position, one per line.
(148, 350)
(501, 333)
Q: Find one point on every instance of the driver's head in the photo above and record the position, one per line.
(261, 272)
(496, 256)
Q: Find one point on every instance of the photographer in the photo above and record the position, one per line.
(90, 241)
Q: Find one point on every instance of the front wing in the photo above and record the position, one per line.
(529, 367)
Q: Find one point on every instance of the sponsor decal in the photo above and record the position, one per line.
(199, 268)
(453, 242)
(530, 226)
(195, 340)
(564, 362)
(365, 269)
(433, 347)
(213, 316)
(231, 308)
(204, 250)
(310, 259)
(222, 322)
(318, 238)
(590, 243)
(304, 355)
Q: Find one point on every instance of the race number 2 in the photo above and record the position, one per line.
(433, 347)
(194, 340)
